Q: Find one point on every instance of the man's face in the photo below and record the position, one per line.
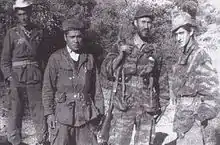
(73, 39)
(182, 37)
(23, 16)
(143, 26)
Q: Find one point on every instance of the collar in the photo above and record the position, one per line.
(189, 47)
(138, 41)
(187, 53)
(73, 55)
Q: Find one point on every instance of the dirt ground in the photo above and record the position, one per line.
(164, 133)
(163, 129)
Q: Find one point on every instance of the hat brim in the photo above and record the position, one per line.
(21, 6)
(182, 25)
(142, 16)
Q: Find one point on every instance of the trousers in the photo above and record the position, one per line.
(16, 112)
(198, 134)
(69, 135)
(122, 127)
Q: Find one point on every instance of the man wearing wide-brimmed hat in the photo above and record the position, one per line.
(20, 63)
(72, 96)
(195, 86)
(134, 71)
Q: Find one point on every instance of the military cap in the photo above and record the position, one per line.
(182, 19)
(22, 4)
(143, 12)
(73, 23)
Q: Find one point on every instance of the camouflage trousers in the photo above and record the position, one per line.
(122, 127)
(200, 135)
(16, 112)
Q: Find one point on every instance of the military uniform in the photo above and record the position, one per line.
(20, 61)
(136, 100)
(195, 86)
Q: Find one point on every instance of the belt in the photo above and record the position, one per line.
(135, 81)
(189, 102)
(24, 62)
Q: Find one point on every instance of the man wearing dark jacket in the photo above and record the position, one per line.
(72, 96)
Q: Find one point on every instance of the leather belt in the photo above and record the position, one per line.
(188, 101)
(24, 62)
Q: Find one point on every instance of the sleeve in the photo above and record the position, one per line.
(162, 82)
(107, 66)
(6, 56)
(49, 86)
(207, 84)
(99, 97)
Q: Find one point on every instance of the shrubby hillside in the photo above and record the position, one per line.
(111, 21)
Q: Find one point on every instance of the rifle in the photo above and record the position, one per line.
(103, 135)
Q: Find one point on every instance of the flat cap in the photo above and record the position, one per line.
(143, 12)
(74, 24)
(182, 19)
(22, 4)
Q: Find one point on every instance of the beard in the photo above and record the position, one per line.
(145, 35)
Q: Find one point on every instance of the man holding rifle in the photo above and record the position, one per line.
(140, 84)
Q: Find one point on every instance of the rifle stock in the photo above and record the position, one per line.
(106, 125)
(104, 132)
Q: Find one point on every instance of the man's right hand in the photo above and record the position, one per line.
(9, 81)
(125, 49)
(51, 121)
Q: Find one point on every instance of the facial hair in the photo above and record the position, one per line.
(147, 36)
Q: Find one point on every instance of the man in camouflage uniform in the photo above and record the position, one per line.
(72, 96)
(195, 86)
(134, 69)
(20, 64)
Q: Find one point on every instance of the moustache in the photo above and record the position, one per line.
(145, 30)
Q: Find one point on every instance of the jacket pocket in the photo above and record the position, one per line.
(30, 74)
(64, 113)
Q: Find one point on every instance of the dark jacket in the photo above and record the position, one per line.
(75, 84)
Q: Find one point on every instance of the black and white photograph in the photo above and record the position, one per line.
(109, 72)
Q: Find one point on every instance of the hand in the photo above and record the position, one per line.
(125, 49)
(8, 81)
(51, 121)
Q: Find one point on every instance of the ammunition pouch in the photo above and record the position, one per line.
(149, 99)
(122, 103)
(72, 109)
(205, 112)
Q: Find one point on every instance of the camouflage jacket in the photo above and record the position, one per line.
(75, 84)
(194, 82)
(194, 75)
(146, 83)
(19, 46)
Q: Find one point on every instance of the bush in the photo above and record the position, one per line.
(109, 22)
